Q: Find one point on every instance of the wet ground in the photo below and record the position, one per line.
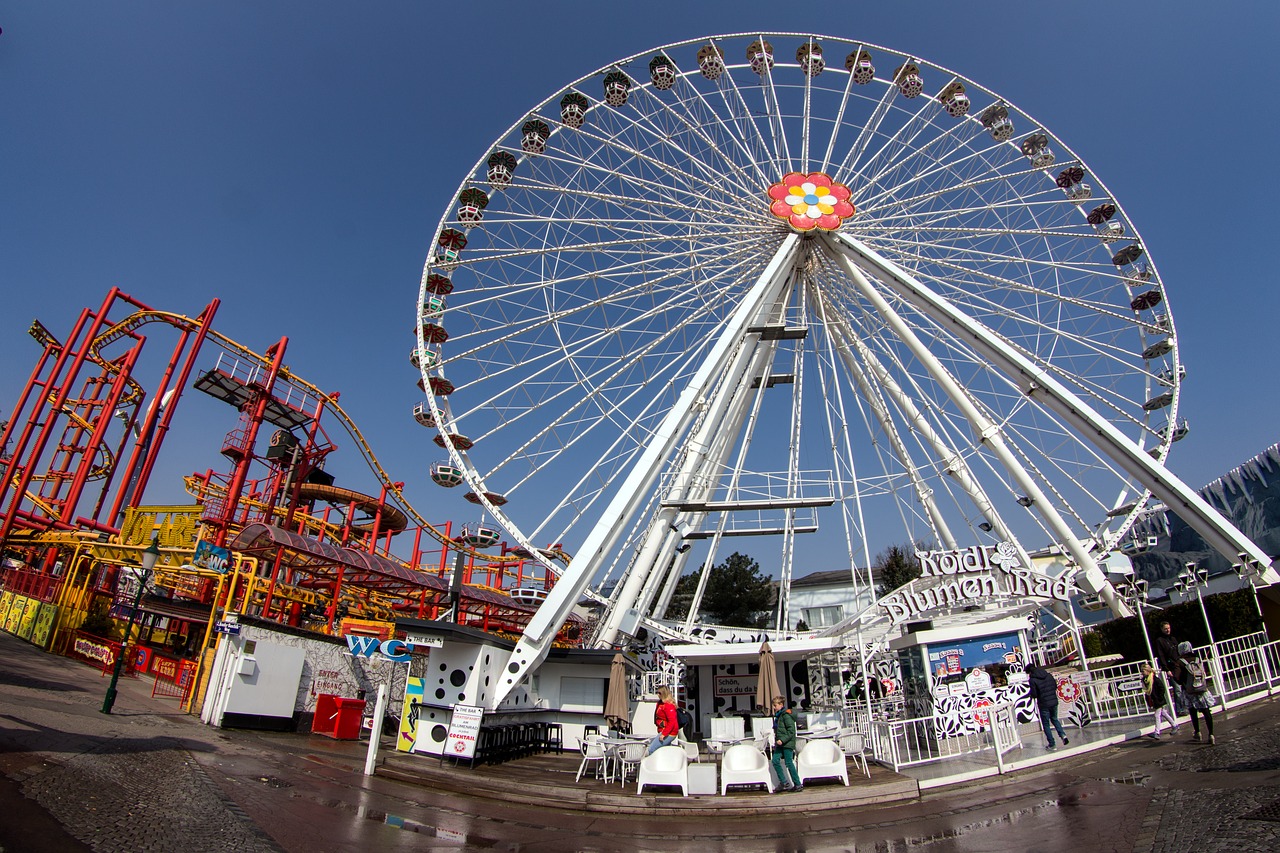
(150, 778)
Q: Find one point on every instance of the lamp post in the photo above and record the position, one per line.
(1134, 593)
(1195, 578)
(149, 558)
(1251, 571)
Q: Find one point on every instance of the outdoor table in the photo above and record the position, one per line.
(611, 747)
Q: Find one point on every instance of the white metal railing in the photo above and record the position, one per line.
(1246, 641)
(1004, 730)
(1249, 665)
(1115, 692)
(904, 743)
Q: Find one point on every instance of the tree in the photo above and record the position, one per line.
(737, 594)
(895, 566)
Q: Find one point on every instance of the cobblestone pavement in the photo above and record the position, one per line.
(150, 778)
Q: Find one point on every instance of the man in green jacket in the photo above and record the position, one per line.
(784, 746)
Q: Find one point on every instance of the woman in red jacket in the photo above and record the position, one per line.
(664, 717)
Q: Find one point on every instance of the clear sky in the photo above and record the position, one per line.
(292, 158)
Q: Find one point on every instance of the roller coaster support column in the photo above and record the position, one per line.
(153, 433)
(263, 395)
(29, 461)
(98, 437)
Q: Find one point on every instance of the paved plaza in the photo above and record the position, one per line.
(149, 778)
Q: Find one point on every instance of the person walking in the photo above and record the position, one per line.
(1192, 675)
(1166, 649)
(1157, 699)
(1044, 689)
(784, 746)
(665, 720)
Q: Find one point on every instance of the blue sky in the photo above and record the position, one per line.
(293, 158)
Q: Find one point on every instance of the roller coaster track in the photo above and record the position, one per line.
(140, 318)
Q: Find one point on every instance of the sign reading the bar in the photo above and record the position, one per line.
(972, 578)
(424, 641)
(464, 731)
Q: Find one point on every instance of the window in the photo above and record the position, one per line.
(582, 694)
(822, 617)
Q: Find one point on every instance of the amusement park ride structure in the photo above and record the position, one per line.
(711, 300)
(82, 443)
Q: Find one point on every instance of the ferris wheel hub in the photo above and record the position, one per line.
(810, 201)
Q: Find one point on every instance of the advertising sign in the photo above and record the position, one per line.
(211, 557)
(464, 731)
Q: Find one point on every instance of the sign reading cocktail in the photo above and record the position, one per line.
(972, 575)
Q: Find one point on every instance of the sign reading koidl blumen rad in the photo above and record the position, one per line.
(976, 574)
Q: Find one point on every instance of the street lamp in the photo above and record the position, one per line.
(1135, 593)
(149, 558)
(1195, 578)
(1251, 571)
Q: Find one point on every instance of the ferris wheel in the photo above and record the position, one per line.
(773, 284)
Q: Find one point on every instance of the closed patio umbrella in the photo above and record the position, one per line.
(617, 705)
(767, 685)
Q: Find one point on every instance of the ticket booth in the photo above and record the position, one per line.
(954, 673)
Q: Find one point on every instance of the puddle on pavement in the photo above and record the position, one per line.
(1134, 778)
(440, 832)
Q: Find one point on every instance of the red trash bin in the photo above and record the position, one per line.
(338, 717)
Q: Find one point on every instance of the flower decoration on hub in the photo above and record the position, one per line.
(810, 201)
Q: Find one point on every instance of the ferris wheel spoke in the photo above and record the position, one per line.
(838, 123)
(868, 130)
(498, 339)
(774, 114)
(885, 202)
(744, 181)
(764, 155)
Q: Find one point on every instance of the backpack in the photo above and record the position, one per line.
(1196, 682)
(683, 718)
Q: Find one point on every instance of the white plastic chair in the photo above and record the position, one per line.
(691, 750)
(630, 755)
(821, 759)
(744, 764)
(727, 728)
(593, 750)
(853, 746)
(669, 765)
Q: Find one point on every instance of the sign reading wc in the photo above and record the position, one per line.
(368, 647)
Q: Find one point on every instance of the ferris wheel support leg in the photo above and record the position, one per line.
(538, 635)
(848, 254)
(1049, 392)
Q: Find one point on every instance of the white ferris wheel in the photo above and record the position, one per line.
(762, 284)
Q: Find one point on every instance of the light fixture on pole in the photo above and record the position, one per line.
(1195, 578)
(1135, 593)
(149, 558)
(1251, 571)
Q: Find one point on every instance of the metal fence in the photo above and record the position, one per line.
(1240, 669)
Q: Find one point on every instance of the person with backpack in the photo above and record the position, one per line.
(666, 720)
(1157, 699)
(1044, 689)
(1192, 676)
